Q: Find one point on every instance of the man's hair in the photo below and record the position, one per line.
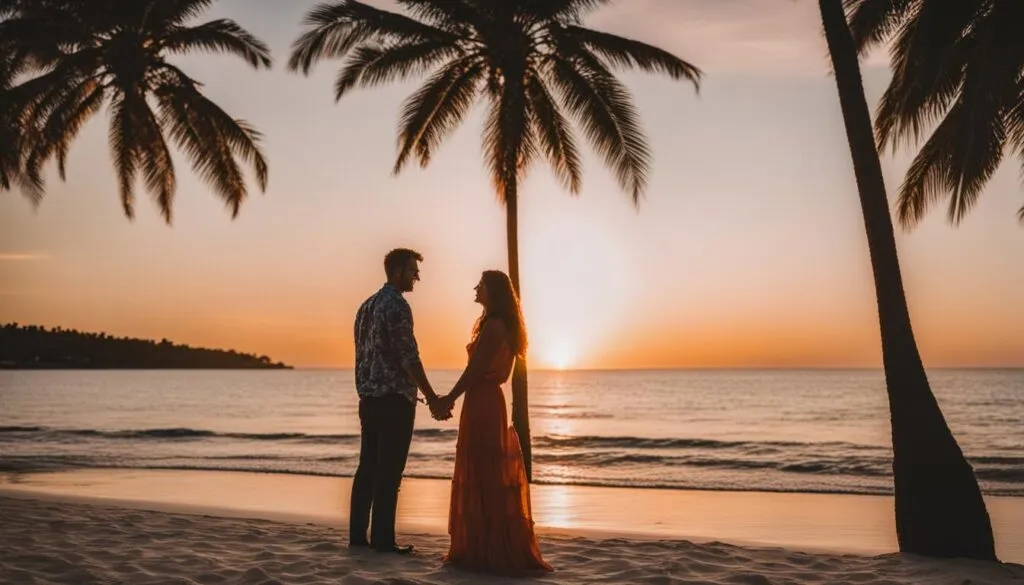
(399, 258)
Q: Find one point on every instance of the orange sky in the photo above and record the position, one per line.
(748, 250)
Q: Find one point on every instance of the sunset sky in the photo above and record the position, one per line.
(748, 250)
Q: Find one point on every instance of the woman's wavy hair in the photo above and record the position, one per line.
(504, 305)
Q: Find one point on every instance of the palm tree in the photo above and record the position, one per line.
(87, 53)
(957, 64)
(530, 61)
(939, 508)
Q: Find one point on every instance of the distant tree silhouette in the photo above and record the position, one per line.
(36, 347)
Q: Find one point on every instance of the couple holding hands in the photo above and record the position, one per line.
(490, 522)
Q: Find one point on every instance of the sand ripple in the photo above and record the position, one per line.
(62, 543)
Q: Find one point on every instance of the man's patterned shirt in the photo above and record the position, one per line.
(384, 344)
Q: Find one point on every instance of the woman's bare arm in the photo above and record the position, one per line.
(492, 336)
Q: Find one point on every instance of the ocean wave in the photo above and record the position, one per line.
(611, 461)
(65, 463)
(20, 429)
(14, 433)
(603, 442)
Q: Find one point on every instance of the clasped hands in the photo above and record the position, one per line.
(441, 406)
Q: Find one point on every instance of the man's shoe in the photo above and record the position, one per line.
(394, 548)
(358, 544)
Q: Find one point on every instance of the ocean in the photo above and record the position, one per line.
(770, 430)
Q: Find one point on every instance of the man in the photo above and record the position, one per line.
(388, 373)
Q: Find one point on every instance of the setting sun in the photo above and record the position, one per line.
(559, 355)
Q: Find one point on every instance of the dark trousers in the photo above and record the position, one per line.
(386, 432)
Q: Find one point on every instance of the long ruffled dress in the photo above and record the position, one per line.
(490, 521)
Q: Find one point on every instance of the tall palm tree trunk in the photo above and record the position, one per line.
(939, 508)
(520, 398)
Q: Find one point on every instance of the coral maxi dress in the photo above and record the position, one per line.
(490, 522)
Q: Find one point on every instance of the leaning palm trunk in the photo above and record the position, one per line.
(939, 508)
(520, 396)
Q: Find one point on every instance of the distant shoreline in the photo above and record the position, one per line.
(32, 347)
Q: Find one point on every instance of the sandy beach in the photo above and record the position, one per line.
(120, 526)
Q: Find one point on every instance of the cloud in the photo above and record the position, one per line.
(21, 256)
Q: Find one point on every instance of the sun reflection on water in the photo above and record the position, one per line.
(552, 508)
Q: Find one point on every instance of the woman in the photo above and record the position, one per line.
(489, 520)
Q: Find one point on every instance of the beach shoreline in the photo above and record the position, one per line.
(816, 523)
(54, 538)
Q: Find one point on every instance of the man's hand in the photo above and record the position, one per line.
(441, 407)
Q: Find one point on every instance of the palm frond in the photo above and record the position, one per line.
(5, 175)
(48, 108)
(958, 64)
(211, 139)
(563, 11)
(34, 8)
(16, 62)
(38, 42)
(928, 57)
(153, 158)
(450, 112)
(508, 136)
(165, 14)
(73, 122)
(221, 35)
(124, 146)
(370, 65)
(907, 109)
(957, 160)
(603, 107)
(1015, 130)
(554, 134)
(352, 71)
(206, 149)
(34, 95)
(51, 134)
(437, 108)
(450, 15)
(8, 7)
(872, 22)
(9, 150)
(334, 29)
(509, 140)
(623, 52)
(240, 136)
(9, 134)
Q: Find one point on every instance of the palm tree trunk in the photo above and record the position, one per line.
(939, 508)
(520, 398)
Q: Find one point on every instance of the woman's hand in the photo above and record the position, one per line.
(441, 409)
